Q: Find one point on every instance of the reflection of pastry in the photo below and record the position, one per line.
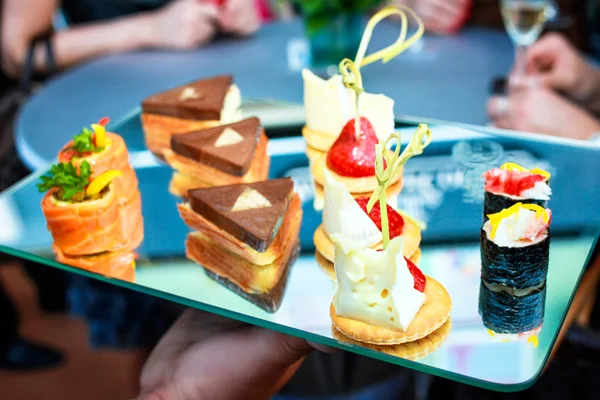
(117, 264)
(196, 105)
(329, 105)
(351, 160)
(246, 236)
(345, 215)
(89, 228)
(512, 314)
(106, 151)
(383, 299)
(515, 246)
(511, 184)
(222, 155)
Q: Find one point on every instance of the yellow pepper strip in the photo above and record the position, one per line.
(394, 161)
(496, 218)
(516, 167)
(100, 182)
(491, 333)
(100, 132)
(533, 339)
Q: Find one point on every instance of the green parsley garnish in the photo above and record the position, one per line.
(64, 177)
(84, 143)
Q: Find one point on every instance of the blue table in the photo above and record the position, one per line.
(448, 78)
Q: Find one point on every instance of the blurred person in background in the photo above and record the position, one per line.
(560, 95)
(450, 16)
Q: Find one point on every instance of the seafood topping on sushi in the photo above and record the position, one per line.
(516, 182)
(519, 225)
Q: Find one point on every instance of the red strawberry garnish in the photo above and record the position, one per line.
(417, 274)
(395, 220)
(351, 155)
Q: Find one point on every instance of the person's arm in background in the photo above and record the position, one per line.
(183, 24)
(440, 16)
(554, 63)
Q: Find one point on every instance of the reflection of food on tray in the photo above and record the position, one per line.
(222, 155)
(196, 105)
(329, 105)
(515, 246)
(383, 299)
(345, 215)
(351, 161)
(85, 219)
(511, 184)
(246, 236)
(118, 264)
(512, 314)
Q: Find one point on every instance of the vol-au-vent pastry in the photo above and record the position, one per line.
(383, 300)
(328, 105)
(511, 184)
(246, 237)
(195, 105)
(346, 215)
(222, 155)
(351, 160)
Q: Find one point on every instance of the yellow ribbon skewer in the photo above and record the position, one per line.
(394, 161)
(350, 70)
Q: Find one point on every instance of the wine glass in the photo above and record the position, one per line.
(524, 21)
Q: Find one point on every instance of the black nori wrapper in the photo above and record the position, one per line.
(495, 203)
(515, 267)
(505, 313)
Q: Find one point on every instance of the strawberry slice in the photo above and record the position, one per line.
(395, 220)
(417, 274)
(354, 156)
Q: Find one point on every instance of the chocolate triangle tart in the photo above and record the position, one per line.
(199, 100)
(228, 148)
(252, 213)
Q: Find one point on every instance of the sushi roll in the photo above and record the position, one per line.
(511, 184)
(512, 314)
(515, 246)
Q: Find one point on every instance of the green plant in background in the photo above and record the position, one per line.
(318, 13)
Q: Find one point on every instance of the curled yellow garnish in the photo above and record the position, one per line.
(533, 339)
(516, 167)
(394, 160)
(350, 70)
(496, 218)
(100, 135)
(491, 332)
(101, 181)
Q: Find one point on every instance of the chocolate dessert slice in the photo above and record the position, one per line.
(252, 212)
(203, 99)
(229, 148)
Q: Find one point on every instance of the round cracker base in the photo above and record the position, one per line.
(410, 350)
(411, 236)
(329, 269)
(433, 314)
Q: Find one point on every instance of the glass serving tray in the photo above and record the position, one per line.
(443, 189)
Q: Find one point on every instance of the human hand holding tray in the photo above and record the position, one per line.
(449, 252)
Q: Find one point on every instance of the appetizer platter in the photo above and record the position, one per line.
(316, 235)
